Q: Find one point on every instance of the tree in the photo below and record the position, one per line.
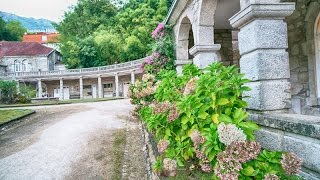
(11, 31)
(16, 30)
(101, 33)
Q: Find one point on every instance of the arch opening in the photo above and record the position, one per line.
(317, 54)
(185, 41)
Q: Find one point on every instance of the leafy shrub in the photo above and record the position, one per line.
(199, 118)
(8, 91)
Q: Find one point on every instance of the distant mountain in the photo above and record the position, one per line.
(31, 24)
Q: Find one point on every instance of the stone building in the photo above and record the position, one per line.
(277, 45)
(40, 66)
(27, 57)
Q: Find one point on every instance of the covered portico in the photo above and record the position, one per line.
(208, 31)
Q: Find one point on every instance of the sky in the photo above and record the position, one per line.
(47, 9)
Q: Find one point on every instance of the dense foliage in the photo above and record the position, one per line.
(11, 31)
(199, 121)
(10, 94)
(96, 33)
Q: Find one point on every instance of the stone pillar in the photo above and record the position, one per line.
(116, 79)
(132, 77)
(61, 89)
(204, 55)
(263, 42)
(39, 89)
(18, 87)
(99, 87)
(81, 87)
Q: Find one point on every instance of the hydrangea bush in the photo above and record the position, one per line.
(199, 120)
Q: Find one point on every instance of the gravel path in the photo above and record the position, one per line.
(49, 150)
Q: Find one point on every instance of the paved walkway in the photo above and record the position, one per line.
(45, 147)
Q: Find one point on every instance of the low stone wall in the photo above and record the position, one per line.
(292, 133)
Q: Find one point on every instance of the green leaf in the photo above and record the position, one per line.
(225, 118)
(223, 101)
(248, 171)
(184, 120)
(203, 115)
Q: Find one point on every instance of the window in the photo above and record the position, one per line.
(24, 65)
(16, 66)
(108, 86)
(44, 38)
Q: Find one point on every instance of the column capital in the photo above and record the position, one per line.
(80, 77)
(116, 73)
(133, 70)
(261, 11)
(204, 48)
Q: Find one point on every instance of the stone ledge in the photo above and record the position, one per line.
(299, 124)
(255, 11)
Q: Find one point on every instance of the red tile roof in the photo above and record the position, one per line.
(13, 48)
(50, 38)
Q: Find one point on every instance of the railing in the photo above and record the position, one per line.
(83, 71)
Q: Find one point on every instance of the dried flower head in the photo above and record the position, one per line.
(227, 166)
(190, 86)
(206, 167)
(162, 145)
(164, 107)
(291, 163)
(148, 77)
(229, 133)
(270, 177)
(169, 167)
(196, 138)
(244, 151)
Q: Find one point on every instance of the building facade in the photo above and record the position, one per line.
(277, 46)
(39, 66)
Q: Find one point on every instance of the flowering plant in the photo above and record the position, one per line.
(199, 118)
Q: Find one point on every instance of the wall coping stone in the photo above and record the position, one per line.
(294, 123)
(267, 11)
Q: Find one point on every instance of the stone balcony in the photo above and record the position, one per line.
(110, 70)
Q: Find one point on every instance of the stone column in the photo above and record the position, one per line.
(99, 87)
(116, 79)
(18, 87)
(39, 89)
(204, 55)
(132, 77)
(61, 89)
(81, 87)
(263, 41)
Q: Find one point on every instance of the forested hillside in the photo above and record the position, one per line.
(97, 33)
(31, 24)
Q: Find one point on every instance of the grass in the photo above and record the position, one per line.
(13, 114)
(118, 146)
(44, 103)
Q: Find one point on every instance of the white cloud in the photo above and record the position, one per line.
(47, 9)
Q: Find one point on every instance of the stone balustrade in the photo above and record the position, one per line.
(116, 68)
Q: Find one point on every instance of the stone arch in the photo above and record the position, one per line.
(184, 41)
(311, 20)
(317, 54)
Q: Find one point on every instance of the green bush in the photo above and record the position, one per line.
(8, 91)
(199, 119)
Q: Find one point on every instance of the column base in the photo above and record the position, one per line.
(204, 55)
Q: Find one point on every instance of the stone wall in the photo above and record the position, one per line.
(292, 133)
(302, 56)
(2, 69)
(224, 38)
(33, 63)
